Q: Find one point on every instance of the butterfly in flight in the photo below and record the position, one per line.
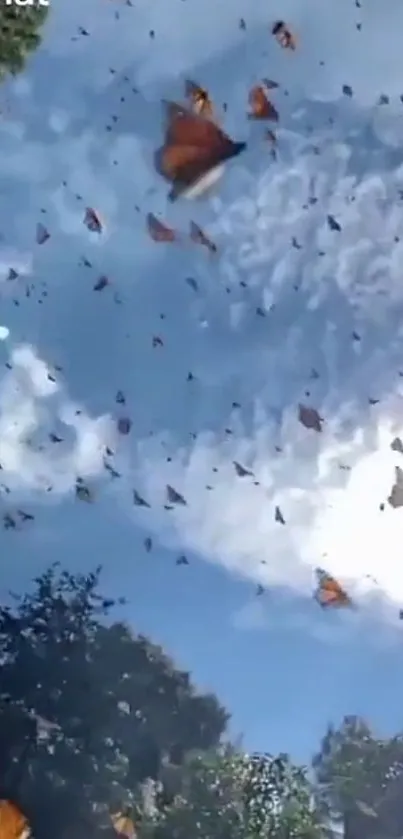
(193, 154)
(329, 592)
(283, 35)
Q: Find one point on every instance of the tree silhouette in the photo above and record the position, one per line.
(88, 710)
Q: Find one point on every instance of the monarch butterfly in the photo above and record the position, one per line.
(13, 824)
(261, 107)
(92, 220)
(193, 152)
(123, 825)
(329, 592)
(42, 234)
(283, 35)
(198, 236)
(158, 231)
(310, 418)
(199, 99)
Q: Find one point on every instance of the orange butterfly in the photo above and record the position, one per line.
(13, 824)
(193, 152)
(329, 592)
(198, 236)
(283, 35)
(124, 825)
(261, 107)
(158, 231)
(199, 99)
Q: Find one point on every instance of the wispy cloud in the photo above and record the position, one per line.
(331, 338)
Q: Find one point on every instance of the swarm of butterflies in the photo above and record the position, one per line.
(191, 158)
(194, 144)
(194, 150)
(195, 147)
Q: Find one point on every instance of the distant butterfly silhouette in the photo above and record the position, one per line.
(329, 592)
(193, 153)
(92, 220)
(199, 237)
(42, 234)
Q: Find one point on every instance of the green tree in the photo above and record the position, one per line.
(229, 795)
(88, 710)
(360, 780)
(20, 28)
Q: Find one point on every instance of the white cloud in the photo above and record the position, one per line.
(329, 486)
(33, 404)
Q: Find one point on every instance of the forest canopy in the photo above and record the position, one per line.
(100, 731)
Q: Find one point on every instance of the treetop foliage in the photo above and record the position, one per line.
(110, 706)
(20, 28)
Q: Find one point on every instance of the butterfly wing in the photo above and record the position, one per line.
(329, 591)
(158, 231)
(172, 161)
(13, 824)
(257, 101)
(270, 84)
(42, 234)
(320, 574)
(173, 115)
(186, 128)
(191, 89)
(193, 147)
(326, 596)
(261, 107)
(198, 236)
(184, 165)
(123, 825)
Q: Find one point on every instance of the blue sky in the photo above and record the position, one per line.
(283, 668)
